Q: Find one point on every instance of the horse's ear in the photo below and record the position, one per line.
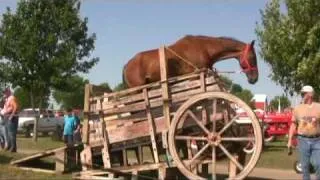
(252, 43)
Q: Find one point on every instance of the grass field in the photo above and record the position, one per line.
(273, 156)
(27, 146)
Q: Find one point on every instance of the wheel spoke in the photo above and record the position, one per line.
(213, 165)
(197, 138)
(197, 155)
(230, 157)
(227, 125)
(198, 122)
(237, 139)
(214, 112)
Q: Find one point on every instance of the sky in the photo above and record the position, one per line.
(124, 28)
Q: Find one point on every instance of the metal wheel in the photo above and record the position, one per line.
(219, 137)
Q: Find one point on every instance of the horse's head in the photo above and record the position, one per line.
(248, 63)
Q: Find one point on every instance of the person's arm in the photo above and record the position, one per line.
(14, 107)
(77, 123)
(292, 129)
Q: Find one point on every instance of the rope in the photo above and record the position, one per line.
(195, 67)
(183, 59)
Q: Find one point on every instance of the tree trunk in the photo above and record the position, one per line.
(35, 126)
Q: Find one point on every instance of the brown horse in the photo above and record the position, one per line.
(199, 51)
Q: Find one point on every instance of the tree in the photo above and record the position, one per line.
(105, 86)
(119, 87)
(43, 44)
(246, 95)
(227, 82)
(73, 96)
(236, 88)
(289, 41)
(284, 102)
(24, 98)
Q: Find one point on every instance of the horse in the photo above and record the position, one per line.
(198, 52)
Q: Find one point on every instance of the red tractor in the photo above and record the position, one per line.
(276, 124)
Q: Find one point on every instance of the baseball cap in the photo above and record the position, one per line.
(307, 88)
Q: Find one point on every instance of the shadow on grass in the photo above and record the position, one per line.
(174, 173)
(5, 159)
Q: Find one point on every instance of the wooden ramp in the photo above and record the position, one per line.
(65, 159)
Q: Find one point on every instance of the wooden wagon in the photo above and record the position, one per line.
(188, 122)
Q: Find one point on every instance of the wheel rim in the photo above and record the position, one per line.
(214, 138)
(268, 138)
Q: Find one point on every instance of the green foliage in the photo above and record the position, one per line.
(24, 98)
(290, 43)
(106, 87)
(43, 43)
(236, 89)
(73, 95)
(119, 87)
(284, 102)
(246, 95)
(227, 82)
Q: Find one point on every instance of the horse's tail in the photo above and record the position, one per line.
(124, 81)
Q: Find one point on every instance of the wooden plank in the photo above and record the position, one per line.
(86, 158)
(152, 130)
(60, 158)
(141, 129)
(232, 168)
(148, 86)
(202, 82)
(156, 102)
(38, 170)
(140, 154)
(154, 93)
(38, 155)
(162, 173)
(86, 110)
(124, 157)
(105, 150)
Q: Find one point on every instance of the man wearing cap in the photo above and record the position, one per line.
(306, 118)
(10, 112)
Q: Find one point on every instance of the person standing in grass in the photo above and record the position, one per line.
(10, 113)
(306, 119)
(70, 124)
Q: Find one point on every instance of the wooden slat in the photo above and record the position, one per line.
(148, 86)
(178, 97)
(38, 170)
(86, 109)
(152, 130)
(154, 93)
(140, 129)
(38, 155)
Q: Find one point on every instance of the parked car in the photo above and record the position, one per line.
(47, 123)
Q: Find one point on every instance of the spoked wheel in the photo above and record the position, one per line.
(219, 137)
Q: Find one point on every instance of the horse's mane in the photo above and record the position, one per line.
(229, 38)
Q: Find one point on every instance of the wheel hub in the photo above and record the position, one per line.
(214, 139)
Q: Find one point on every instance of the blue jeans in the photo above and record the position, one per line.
(12, 132)
(4, 135)
(309, 150)
(68, 140)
